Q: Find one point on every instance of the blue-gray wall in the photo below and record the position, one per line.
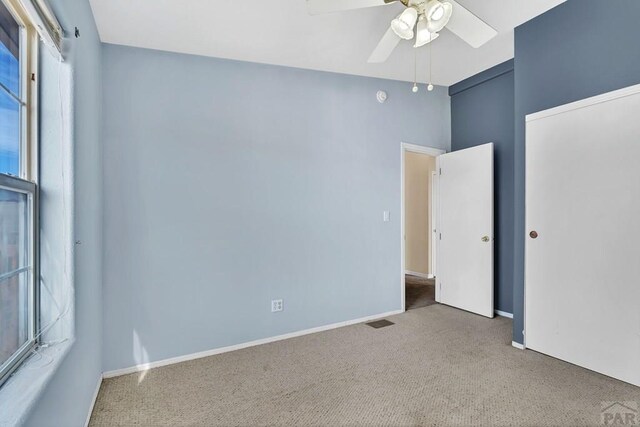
(579, 49)
(68, 396)
(229, 184)
(482, 110)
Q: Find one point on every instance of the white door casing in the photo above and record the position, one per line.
(433, 223)
(430, 151)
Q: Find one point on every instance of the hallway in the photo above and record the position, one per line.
(419, 292)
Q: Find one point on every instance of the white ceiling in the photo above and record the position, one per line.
(281, 32)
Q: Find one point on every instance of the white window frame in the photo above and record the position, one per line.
(27, 181)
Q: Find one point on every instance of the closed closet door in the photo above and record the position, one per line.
(582, 290)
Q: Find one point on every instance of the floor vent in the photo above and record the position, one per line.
(380, 323)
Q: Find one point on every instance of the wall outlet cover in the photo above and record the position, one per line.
(276, 305)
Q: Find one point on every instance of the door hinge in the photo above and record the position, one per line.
(440, 237)
(440, 171)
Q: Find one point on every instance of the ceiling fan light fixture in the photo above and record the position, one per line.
(404, 23)
(423, 35)
(438, 14)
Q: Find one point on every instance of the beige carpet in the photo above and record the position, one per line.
(435, 366)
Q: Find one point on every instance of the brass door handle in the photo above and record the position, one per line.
(533, 234)
(485, 238)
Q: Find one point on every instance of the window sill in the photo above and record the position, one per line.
(20, 393)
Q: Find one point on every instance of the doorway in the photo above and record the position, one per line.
(419, 167)
(454, 234)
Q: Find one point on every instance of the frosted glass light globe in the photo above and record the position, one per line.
(403, 24)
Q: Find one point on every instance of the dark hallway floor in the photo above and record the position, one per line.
(419, 292)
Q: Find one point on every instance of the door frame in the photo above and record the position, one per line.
(433, 219)
(420, 149)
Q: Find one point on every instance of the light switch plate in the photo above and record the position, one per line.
(386, 216)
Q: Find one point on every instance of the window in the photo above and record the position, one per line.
(18, 191)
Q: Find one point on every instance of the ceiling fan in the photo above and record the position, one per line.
(428, 17)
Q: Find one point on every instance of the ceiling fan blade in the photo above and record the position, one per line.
(469, 27)
(317, 7)
(388, 42)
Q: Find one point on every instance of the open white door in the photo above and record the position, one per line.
(582, 245)
(433, 220)
(465, 228)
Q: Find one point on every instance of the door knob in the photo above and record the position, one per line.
(485, 238)
(533, 234)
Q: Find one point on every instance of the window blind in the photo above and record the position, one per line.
(9, 32)
(46, 23)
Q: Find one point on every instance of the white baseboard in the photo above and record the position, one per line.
(93, 402)
(415, 273)
(517, 345)
(199, 355)
(504, 314)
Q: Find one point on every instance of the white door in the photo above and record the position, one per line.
(465, 230)
(433, 220)
(582, 294)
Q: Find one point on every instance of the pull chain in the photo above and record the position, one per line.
(430, 86)
(414, 89)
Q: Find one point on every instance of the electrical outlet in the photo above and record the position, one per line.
(276, 305)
